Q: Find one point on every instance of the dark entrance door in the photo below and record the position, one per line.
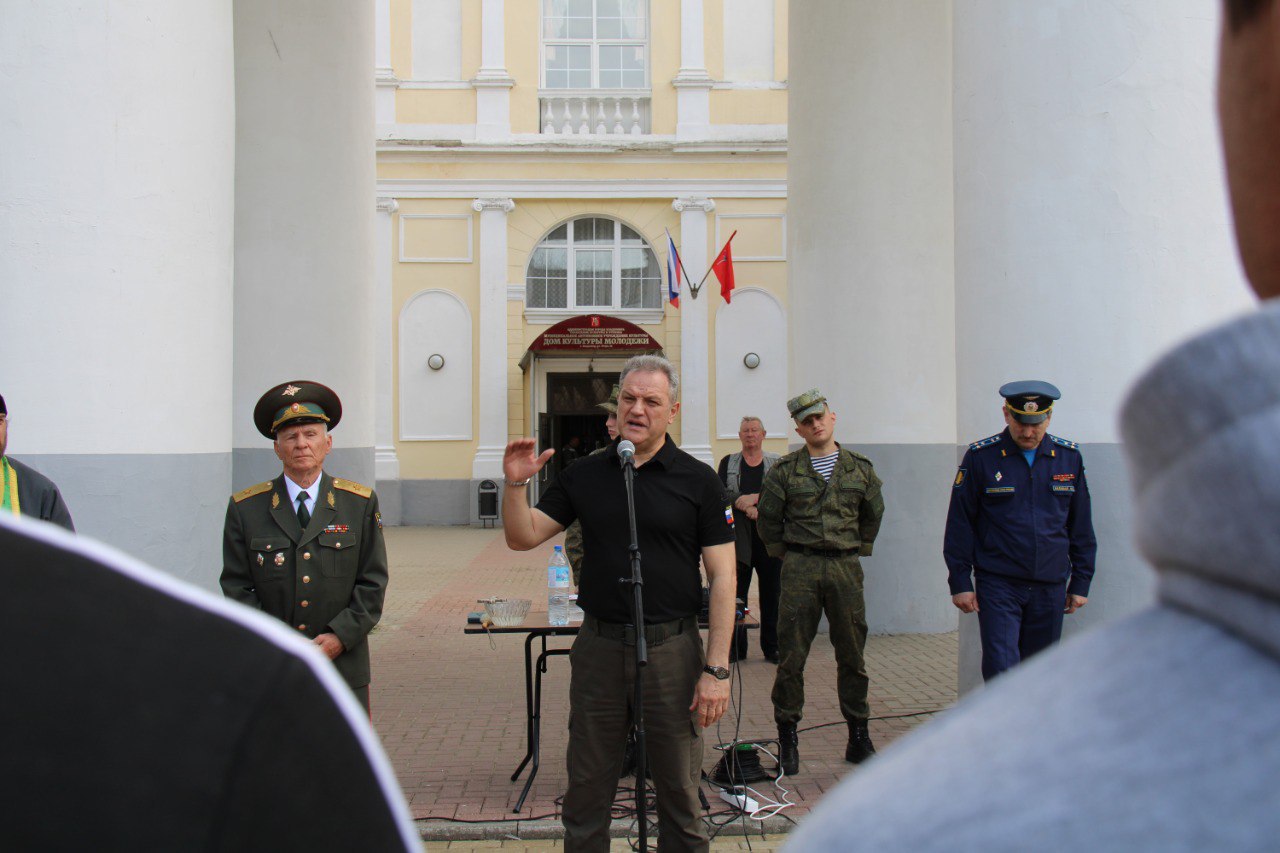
(573, 412)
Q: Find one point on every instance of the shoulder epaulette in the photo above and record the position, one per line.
(1063, 442)
(857, 455)
(354, 488)
(986, 442)
(251, 491)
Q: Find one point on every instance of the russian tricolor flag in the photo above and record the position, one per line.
(673, 272)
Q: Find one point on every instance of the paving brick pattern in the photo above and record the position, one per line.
(450, 707)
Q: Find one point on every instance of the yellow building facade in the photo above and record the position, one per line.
(533, 156)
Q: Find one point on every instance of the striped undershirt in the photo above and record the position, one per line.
(824, 465)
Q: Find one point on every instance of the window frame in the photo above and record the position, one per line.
(617, 245)
(594, 43)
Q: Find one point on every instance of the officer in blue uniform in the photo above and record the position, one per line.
(1019, 544)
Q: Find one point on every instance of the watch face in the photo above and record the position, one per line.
(718, 671)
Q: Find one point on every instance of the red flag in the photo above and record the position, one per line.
(722, 266)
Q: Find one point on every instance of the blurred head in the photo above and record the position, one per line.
(1026, 436)
(1249, 113)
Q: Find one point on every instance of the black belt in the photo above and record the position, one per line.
(655, 634)
(824, 552)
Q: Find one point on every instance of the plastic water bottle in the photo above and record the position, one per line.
(558, 588)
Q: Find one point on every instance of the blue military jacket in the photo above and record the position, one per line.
(1030, 522)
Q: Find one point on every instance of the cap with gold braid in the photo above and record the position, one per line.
(298, 402)
(1029, 401)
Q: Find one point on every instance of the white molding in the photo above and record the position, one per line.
(693, 78)
(506, 205)
(386, 204)
(404, 372)
(434, 84)
(749, 85)
(455, 140)
(404, 259)
(515, 292)
(551, 316)
(391, 136)
(706, 205)
(736, 258)
(406, 188)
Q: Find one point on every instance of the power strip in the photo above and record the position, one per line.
(741, 802)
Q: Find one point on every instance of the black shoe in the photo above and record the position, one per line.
(771, 657)
(788, 748)
(860, 747)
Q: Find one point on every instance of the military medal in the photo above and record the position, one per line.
(259, 559)
(999, 476)
(332, 503)
(280, 558)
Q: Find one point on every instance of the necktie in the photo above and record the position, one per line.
(304, 517)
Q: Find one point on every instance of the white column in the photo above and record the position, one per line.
(695, 372)
(116, 213)
(492, 83)
(693, 98)
(386, 463)
(384, 77)
(1090, 209)
(869, 234)
(304, 256)
(492, 373)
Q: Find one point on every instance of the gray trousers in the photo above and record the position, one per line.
(600, 715)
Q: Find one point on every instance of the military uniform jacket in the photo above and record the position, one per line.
(1028, 522)
(329, 578)
(797, 508)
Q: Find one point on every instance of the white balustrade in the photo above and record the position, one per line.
(595, 114)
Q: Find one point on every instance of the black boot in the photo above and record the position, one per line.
(788, 748)
(860, 747)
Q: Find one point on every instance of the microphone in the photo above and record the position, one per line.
(626, 450)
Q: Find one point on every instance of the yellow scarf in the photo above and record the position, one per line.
(10, 496)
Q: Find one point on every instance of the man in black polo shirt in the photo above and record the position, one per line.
(682, 513)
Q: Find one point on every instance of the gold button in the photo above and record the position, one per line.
(306, 555)
(306, 578)
(306, 603)
(302, 627)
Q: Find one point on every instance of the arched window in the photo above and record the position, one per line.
(593, 264)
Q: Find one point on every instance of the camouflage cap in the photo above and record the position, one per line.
(611, 405)
(811, 402)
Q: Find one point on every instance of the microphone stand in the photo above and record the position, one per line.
(642, 651)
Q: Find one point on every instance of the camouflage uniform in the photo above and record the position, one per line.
(573, 535)
(820, 528)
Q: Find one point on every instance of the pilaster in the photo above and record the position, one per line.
(695, 390)
(386, 463)
(492, 372)
(692, 82)
(492, 82)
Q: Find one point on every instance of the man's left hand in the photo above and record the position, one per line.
(710, 699)
(330, 645)
(1074, 603)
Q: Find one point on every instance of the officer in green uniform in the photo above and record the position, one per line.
(820, 510)
(305, 547)
(573, 536)
(24, 490)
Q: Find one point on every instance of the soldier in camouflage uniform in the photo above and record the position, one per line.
(573, 536)
(820, 510)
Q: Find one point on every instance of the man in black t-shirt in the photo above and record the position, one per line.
(682, 514)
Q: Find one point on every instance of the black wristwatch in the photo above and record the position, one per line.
(719, 672)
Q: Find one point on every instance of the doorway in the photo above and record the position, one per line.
(573, 423)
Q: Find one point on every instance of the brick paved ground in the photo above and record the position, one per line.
(449, 707)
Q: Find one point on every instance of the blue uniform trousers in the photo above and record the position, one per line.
(1017, 618)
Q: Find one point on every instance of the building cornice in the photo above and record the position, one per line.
(491, 194)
